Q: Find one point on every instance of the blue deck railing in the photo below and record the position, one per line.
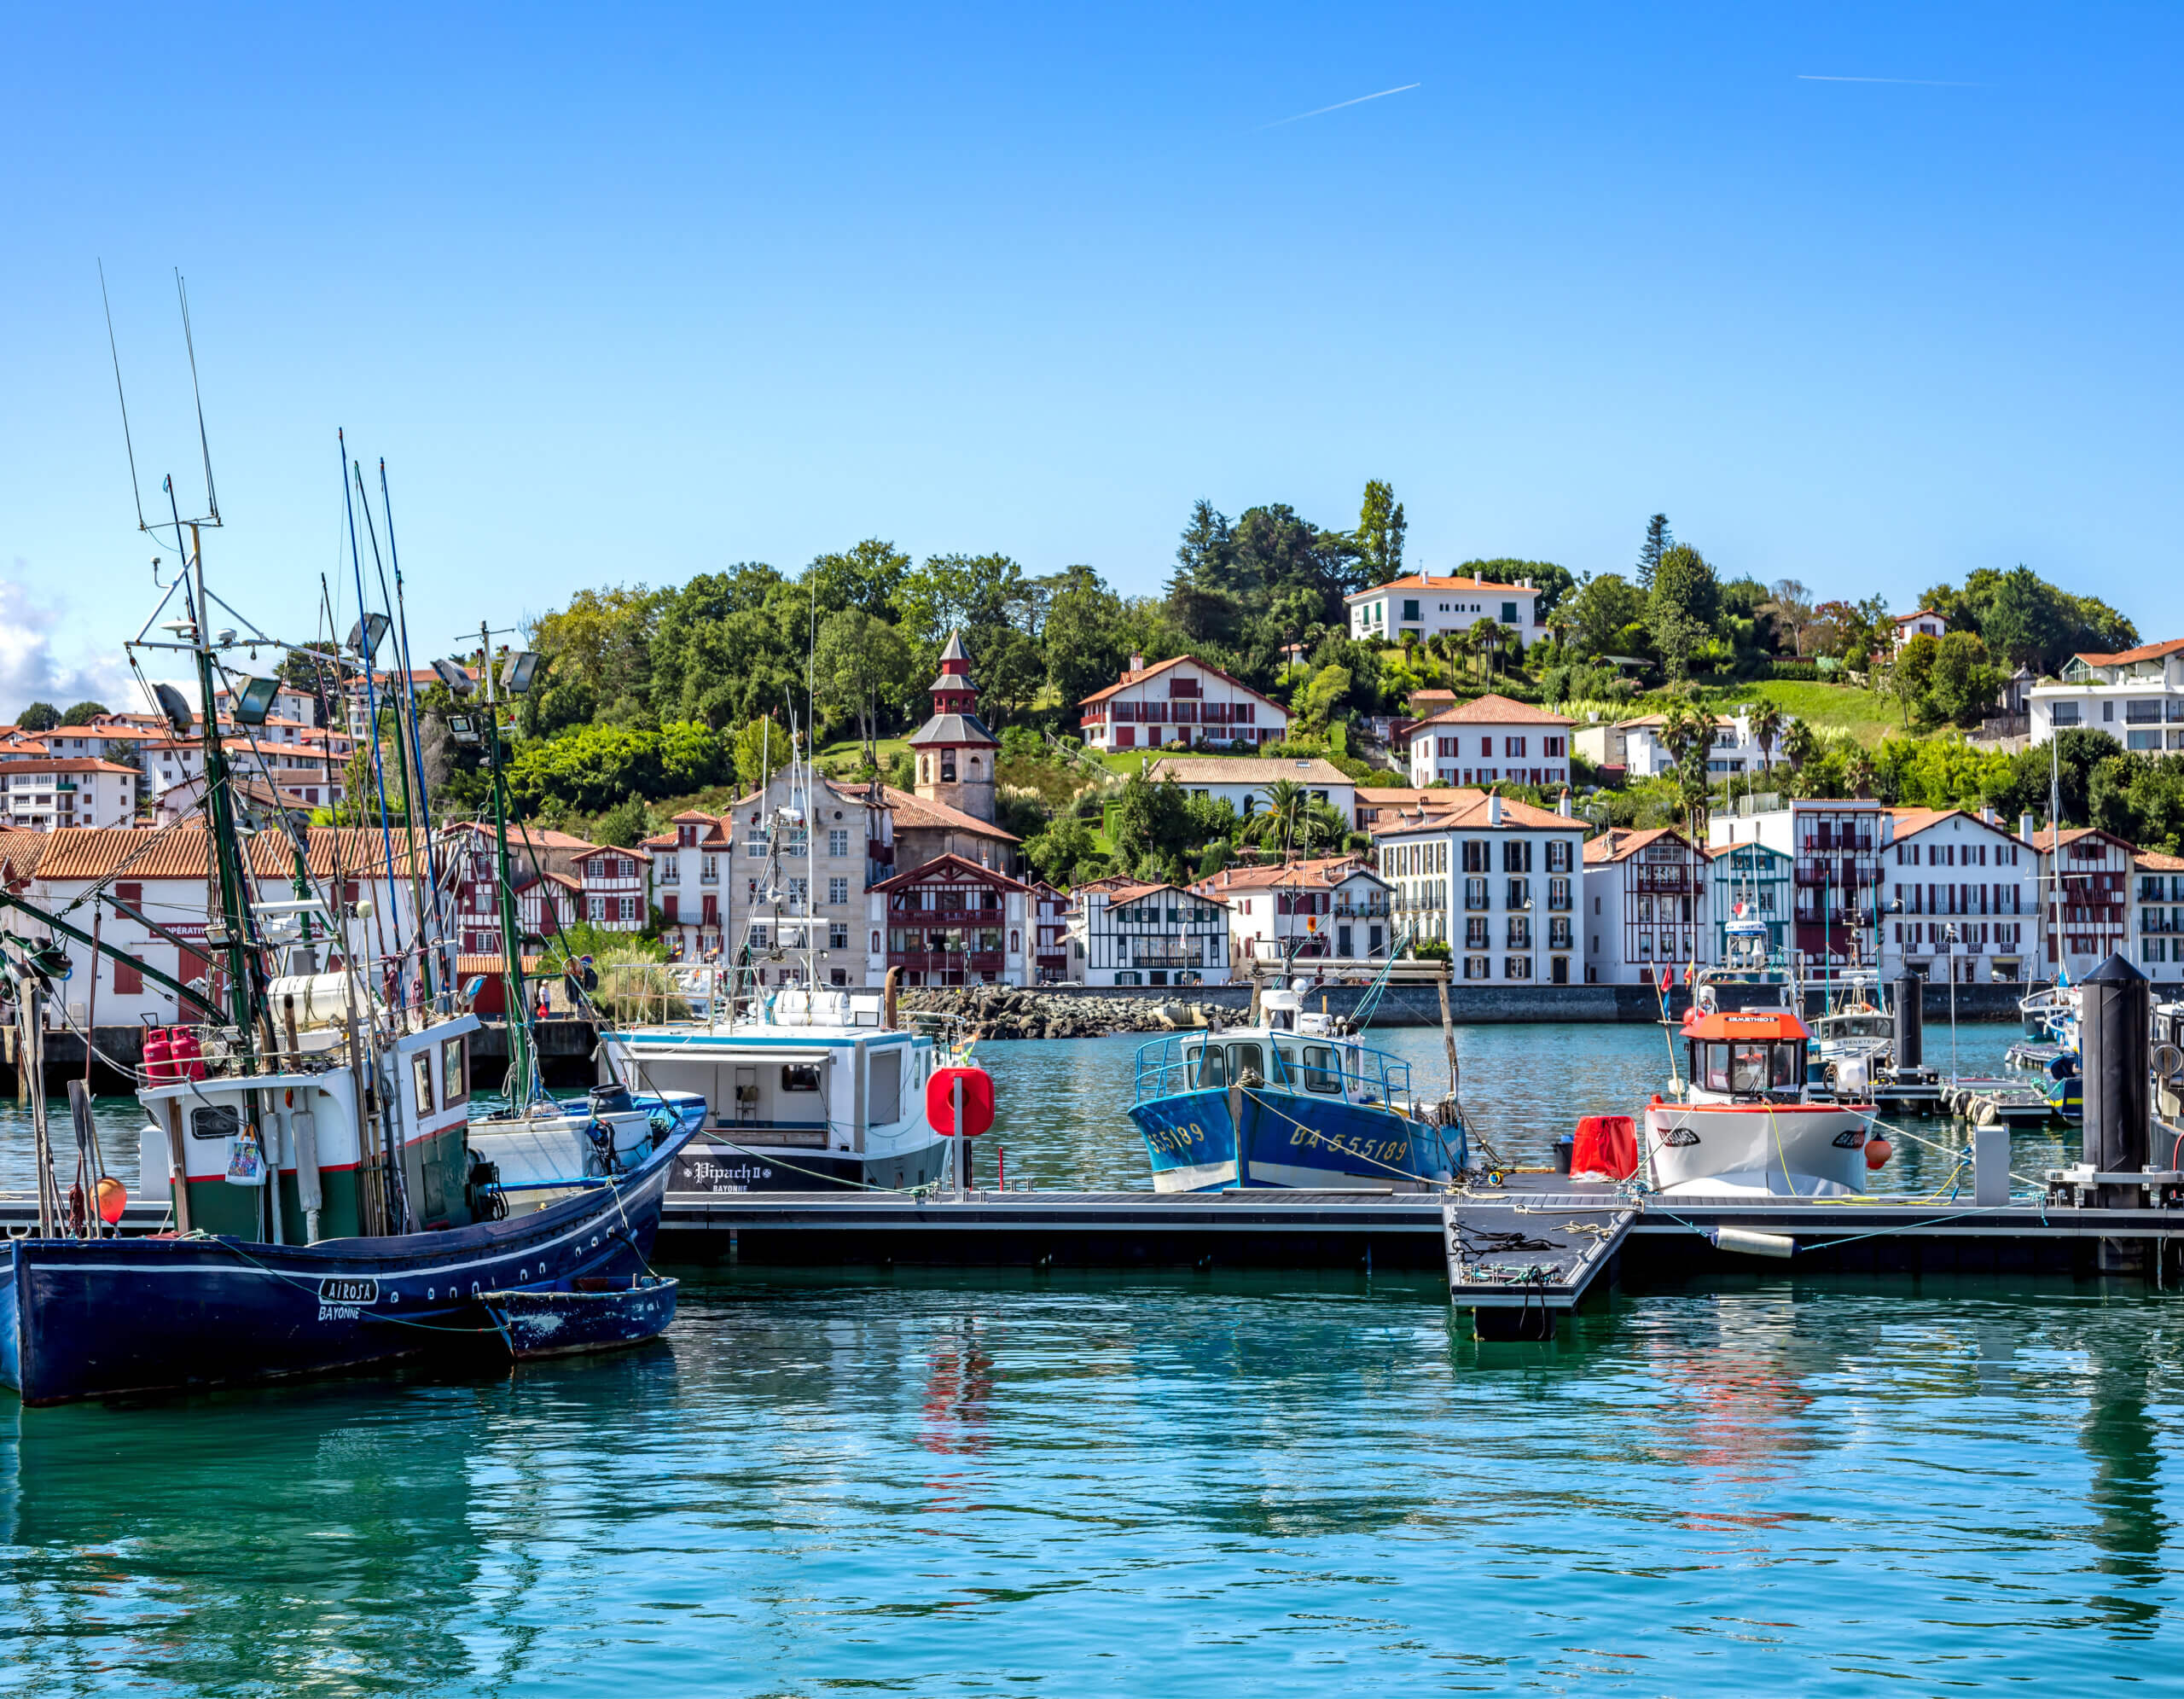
(1323, 1067)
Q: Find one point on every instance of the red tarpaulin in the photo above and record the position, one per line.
(1605, 1144)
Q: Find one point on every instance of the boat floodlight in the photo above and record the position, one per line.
(455, 676)
(463, 728)
(175, 707)
(366, 635)
(255, 701)
(518, 671)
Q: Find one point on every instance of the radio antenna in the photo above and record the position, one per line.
(135, 489)
(211, 496)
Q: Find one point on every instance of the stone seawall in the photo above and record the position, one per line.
(1088, 1011)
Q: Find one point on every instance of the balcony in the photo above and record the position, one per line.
(946, 961)
(1146, 953)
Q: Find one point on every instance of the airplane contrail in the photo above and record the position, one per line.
(1361, 100)
(1902, 82)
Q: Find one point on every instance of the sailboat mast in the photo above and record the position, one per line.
(518, 1009)
(226, 858)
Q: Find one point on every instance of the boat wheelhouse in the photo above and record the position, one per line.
(1289, 1103)
(1743, 1122)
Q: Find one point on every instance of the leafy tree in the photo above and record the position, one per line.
(83, 714)
(1961, 685)
(1555, 584)
(1605, 608)
(1681, 608)
(1658, 543)
(865, 576)
(762, 749)
(863, 669)
(2140, 799)
(1087, 641)
(1380, 527)
(729, 645)
(1316, 702)
(1789, 610)
(2074, 755)
(965, 593)
(597, 655)
(625, 825)
(1011, 671)
(1065, 853)
(38, 717)
(1908, 676)
(1151, 822)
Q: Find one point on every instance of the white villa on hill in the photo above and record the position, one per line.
(1180, 703)
(1422, 606)
(2137, 696)
(1491, 741)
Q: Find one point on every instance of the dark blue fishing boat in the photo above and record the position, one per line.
(100, 1317)
(585, 1313)
(1289, 1104)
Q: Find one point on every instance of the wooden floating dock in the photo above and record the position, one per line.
(1517, 1257)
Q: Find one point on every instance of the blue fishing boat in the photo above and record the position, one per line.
(1290, 1102)
(585, 1313)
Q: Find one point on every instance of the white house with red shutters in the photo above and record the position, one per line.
(1491, 740)
(692, 864)
(615, 887)
(1180, 703)
(1329, 906)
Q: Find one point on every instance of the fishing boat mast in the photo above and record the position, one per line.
(517, 1009)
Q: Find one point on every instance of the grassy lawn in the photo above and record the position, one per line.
(1827, 707)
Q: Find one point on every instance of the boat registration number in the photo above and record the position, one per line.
(1175, 1141)
(348, 1292)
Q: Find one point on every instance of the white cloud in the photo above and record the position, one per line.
(31, 669)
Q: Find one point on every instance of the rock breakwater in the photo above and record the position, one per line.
(1002, 1012)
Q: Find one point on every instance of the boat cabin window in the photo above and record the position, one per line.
(799, 1076)
(1245, 1058)
(455, 1072)
(215, 1121)
(1323, 1070)
(421, 1080)
(886, 1088)
(1740, 1067)
(1212, 1068)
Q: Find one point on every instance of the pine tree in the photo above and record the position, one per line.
(1658, 543)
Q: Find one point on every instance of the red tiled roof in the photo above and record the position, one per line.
(1619, 842)
(1160, 667)
(918, 810)
(180, 852)
(945, 869)
(1471, 815)
(2125, 657)
(1495, 710)
(1321, 870)
(611, 849)
(1428, 582)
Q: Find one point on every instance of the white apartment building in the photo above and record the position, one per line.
(1334, 906)
(2158, 914)
(45, 796)
(1835, 849)
(2094, 868)
(1123, 934)
(1491, 740)
(1423, 606)
(1959, 898)
(1645, 905)
(1180, 702)
(1635, 746)
(1242, 782)
(1498, 881)
(2136, 697)
(692, 864)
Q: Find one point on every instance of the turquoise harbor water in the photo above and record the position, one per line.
(928, 1484)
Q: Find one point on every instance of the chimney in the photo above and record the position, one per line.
(1136, 663)
(1494, 808)
(1562, 807)
(2025, 825)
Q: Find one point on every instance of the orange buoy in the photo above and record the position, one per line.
(114, 1198)
(1877, 1151)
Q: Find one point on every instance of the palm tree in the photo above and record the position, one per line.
(1858, 772)
(1766, 729)
(1285, 803)
(1800, 743)
(1687, 733)
(1485, 640)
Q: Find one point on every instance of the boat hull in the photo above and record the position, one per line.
(1765, 1149)
(1294, 1141)
(705, 1166)
(566, 1320)
(105, 1317)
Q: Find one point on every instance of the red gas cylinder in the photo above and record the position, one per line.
(188, 1053)
(157, 1050)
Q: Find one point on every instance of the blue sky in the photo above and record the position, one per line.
(626, 295)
